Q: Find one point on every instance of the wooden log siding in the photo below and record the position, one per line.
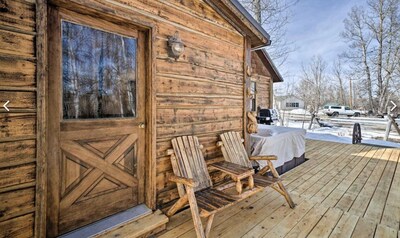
(264, 82)
(264, 91)
(199, 94)
(17, 127)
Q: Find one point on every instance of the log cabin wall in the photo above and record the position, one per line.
(264, 91)
(18, 127)
(262, 76)
(199, 94)
(202, 92)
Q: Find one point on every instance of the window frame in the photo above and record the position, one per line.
(128, 30)
(116, 30)
(293, 104)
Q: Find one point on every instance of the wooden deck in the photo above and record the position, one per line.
(341, 191)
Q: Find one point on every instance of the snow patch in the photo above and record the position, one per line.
(340, 134)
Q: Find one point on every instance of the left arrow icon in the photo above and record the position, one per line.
(5, 106)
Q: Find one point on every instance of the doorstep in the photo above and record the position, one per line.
(134, 222)
(143, 227)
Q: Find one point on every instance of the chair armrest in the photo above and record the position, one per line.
(264, 157)
(235, 170)
(182, 180)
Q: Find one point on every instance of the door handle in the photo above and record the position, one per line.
(142, 125)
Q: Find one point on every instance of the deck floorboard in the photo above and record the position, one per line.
(341, 191)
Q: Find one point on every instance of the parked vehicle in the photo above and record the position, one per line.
(268, 116)
(335, 111)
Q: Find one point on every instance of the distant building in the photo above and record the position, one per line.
(288, 102)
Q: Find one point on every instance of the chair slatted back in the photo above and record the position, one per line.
(189, 162)
(233, 149)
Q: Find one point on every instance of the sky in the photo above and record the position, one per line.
(315, 30)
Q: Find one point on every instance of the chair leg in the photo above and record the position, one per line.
(198, 225)
(239, 186)
(209, 224)
(285, 193)
(251, 182)
(178, 205)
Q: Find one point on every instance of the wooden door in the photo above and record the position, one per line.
(96, 119)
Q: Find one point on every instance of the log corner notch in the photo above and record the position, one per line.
(252, 126)
(247, 121)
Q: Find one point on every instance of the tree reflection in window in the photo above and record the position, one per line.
(99, 73)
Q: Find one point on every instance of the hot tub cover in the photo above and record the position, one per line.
(283, 142)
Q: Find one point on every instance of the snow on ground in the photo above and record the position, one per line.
(348, 140)
(299, 112)
(340, 134)
(341, 130)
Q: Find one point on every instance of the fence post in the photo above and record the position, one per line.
(312, 121)
(396, 126)
(388, 126)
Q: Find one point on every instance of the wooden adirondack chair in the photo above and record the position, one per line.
(233, 150)
(194, 183)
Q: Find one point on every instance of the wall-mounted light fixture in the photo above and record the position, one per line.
(176, 45)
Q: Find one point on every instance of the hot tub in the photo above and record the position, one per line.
(287, 143)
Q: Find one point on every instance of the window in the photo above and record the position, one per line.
(347, 108)
(253, 91)
(292, 104)
(98, 73)
(335, 107)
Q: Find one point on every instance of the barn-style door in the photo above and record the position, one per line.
(96, 120)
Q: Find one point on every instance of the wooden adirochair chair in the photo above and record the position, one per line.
(233, 150)
(194, 183)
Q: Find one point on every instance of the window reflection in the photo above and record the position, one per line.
(253, 91)
(98, 72)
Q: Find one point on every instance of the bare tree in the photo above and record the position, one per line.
(313, 84)
(274, 16)
(339, 75)
(373, 37)
(383, 22)
(359, 43)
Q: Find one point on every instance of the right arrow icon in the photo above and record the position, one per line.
(394, 106)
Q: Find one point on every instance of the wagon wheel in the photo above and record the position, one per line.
(356, 133)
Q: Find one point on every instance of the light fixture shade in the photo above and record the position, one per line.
(177, 48)
(176, 45)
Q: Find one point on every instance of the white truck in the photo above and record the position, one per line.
(335, 111)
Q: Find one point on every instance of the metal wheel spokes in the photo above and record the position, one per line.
(357, 133)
